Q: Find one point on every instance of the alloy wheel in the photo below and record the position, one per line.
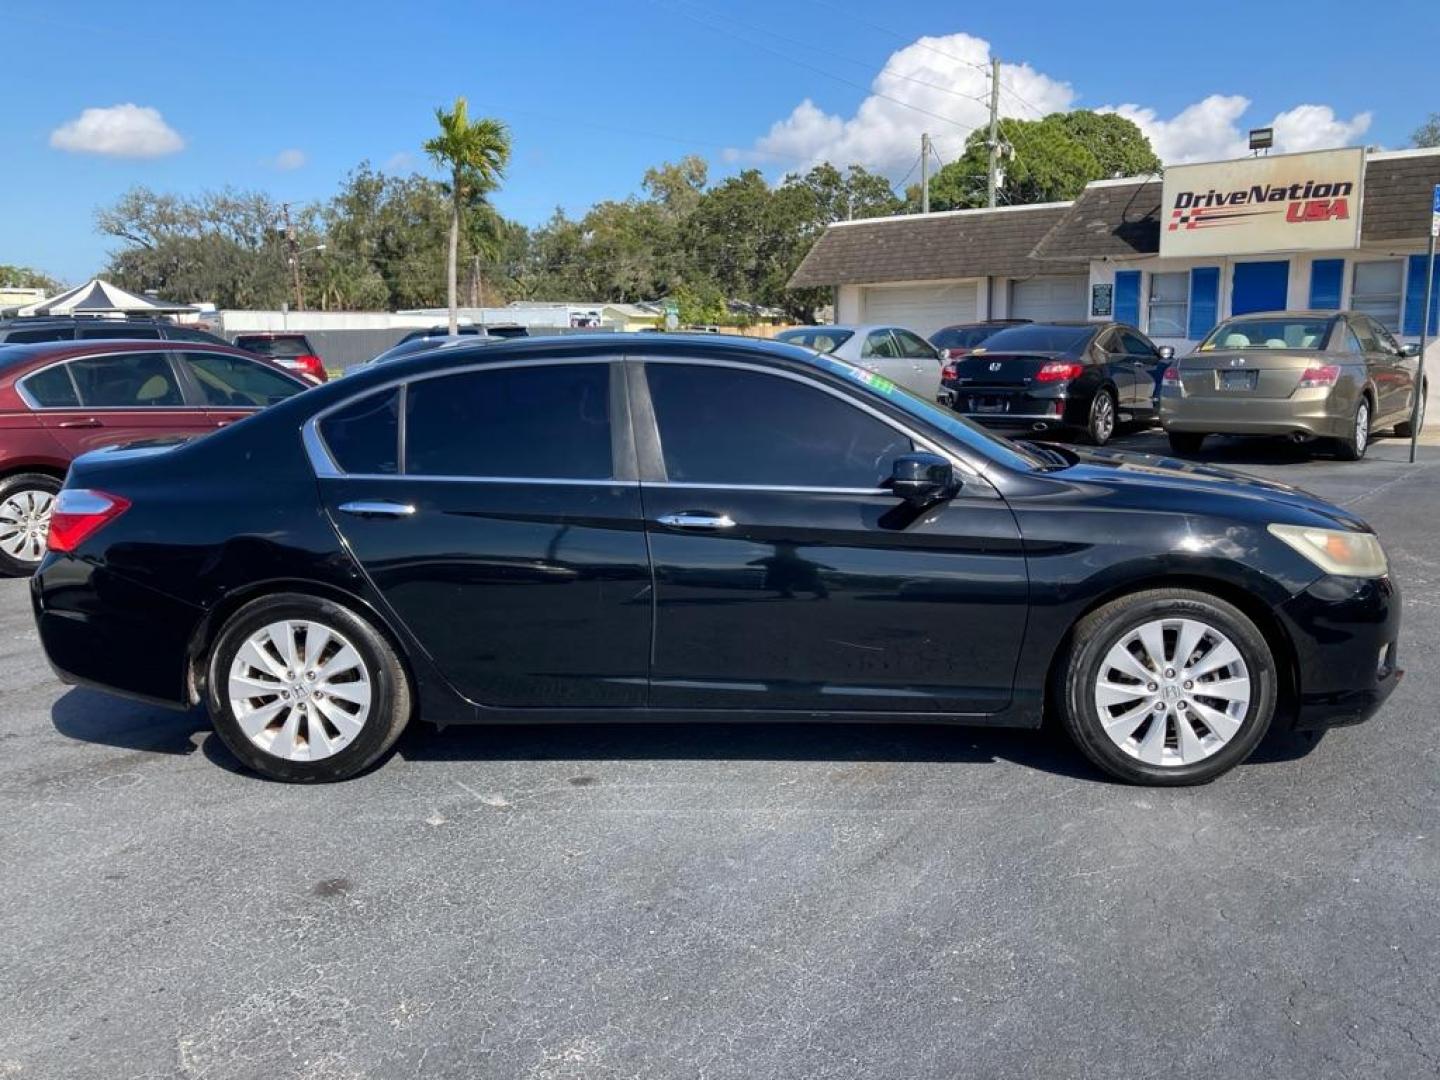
(1172, 692)
(1362, 427)
(24, 523)
(1102, 419)
(299, 690)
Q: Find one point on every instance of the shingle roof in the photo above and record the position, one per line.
(1397, 196)
(926, 247)
(1117, 220)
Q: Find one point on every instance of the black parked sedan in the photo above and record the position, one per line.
(1062, 377)
(698, 528)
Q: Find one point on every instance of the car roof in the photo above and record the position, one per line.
(24, 354)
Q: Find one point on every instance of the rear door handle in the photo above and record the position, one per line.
(693, 520)
(89, 421)
(377, 508)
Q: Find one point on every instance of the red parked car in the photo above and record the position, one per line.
(62, 398)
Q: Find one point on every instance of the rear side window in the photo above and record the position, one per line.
(547, 422)
(53, 333)
(126, 380)
(51, 388)
(234, 382)
(364, 436)
(732, 426)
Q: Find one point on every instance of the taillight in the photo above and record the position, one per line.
(1059, 371)
(950, 371)
(1172, 376)
(311, 365)
(78, 513)
(1320, 375)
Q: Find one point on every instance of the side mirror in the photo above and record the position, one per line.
(1410, 350)
(1167, 352)
(923, 478)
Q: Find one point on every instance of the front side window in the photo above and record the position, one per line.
(1376, 291)
(879, 343)
(542, 421)
(52, 388)
(132, 380)
(234, 382)
(364, 436)
(1132, 344)
(1169, 305)
(914, 346)
(1365, 332)
(722, 425)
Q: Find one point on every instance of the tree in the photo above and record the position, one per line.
(476, 155)
(24, 277)
(1428, 133)
(1047, 160)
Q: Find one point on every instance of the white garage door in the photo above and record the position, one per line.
(922, 308)
(1046, 299)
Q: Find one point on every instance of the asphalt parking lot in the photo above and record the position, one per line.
(747, 902)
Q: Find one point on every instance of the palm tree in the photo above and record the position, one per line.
(476, 155)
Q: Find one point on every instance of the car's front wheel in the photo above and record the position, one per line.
(1167, 687)
(25, 503)
(305, 690)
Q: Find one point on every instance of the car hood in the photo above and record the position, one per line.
(1134, 471)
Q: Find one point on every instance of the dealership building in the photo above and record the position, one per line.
(1329, 230)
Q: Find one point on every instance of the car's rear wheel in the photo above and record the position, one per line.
(1352, 447)
(305, 690)
(1101, 424)
(1167, 687)
(25, 503)
(1186, 442)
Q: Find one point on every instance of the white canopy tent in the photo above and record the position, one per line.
(98, 297)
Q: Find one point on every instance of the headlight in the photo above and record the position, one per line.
(1336, 551)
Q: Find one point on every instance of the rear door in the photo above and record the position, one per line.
(788, 577)
(122, 397)
(507, 534)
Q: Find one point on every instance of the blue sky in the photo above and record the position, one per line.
(597, 92)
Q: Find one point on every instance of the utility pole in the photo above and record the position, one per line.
(292, 247)
(924, 173)
(994, 130)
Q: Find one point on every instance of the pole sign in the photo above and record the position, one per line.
(1435, 213)
(1287, 202)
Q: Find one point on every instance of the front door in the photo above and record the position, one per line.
(788, 577)
(120, 398)
(1120, 365)
(1260, 286)
(880, 353)
(509, 540)
(1145, 365)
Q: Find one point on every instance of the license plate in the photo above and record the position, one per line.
(988, 405)
(1238, 380)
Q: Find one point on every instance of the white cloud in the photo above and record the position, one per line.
(943, 81)
(118, 131)
(403, 161)
(288, 160)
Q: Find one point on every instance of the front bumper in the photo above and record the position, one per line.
(1346, 636)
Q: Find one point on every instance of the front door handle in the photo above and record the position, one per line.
(88, 421)
(693, 520)
(377, 508)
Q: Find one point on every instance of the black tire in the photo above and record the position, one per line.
(1405, 428)
(1103, 418)
(1186, 442)
(11, 487)
(1352, 447)
(1093, 637)
(390, 701)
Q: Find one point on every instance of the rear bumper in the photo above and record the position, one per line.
(1346, 634)
(1320, 417)
(1002, 407)
(102, 630)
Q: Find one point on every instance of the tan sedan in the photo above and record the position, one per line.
(1308, 375)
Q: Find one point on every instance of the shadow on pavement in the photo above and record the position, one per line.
(90, 716)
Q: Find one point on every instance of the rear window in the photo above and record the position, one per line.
(1289, 334)
(824, 340)
(286, 347)
(1039, 337)
(963, 337)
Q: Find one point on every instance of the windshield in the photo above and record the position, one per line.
(983, 442)
(963, 337)
(1289, 334)
(1041, 338)
(825, 339)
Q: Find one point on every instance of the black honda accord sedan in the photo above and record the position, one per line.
(698, 528)
(1062, 377)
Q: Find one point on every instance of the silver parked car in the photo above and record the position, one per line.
(897, 354)
(1308, 375)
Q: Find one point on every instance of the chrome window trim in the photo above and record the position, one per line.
(29, 398)
(325, 466)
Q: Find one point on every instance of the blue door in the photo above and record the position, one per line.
(1260, 286)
